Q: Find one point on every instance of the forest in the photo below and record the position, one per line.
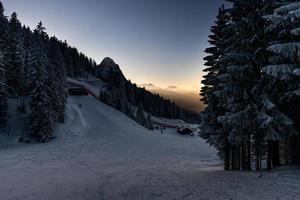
(34, 68)
(252, 85)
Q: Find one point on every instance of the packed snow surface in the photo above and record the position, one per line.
(100, 154)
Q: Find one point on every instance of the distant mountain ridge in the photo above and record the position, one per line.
(108, 70)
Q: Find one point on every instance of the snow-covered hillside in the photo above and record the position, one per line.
(101, 154)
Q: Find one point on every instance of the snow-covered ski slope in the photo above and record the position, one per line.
(94, 86)
(100, 154)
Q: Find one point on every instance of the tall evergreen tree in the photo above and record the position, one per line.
(140, 116)
(28, 41)
(15, 57)
(3, 93)
(4, 35)
(41, 30)
(58, 77)
(235, 66)
(41, 110)
(251, 88)
(149, 122)
(282, 77)
(211, 128)
(3, 82)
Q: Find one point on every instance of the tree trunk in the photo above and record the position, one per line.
(249, 154)
(227, 156)
(269, 156)
(243, 156)
(239, 158)
(298, 150)
(232, 158)
(257, 154)
(275, 154)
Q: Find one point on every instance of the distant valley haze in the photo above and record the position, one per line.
(186, 99)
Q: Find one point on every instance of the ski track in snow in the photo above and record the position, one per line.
(100, 154)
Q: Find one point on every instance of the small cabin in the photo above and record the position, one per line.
(77, 91)
(74, 90)
(185, 131)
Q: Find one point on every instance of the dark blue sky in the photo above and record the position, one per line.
(157, 41)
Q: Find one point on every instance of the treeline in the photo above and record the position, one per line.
(252, 85)
(129, 99)
(34, 67)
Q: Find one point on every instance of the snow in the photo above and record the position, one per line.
(275, 20)
(296, 32)
(284, 14)
(283, 72)
(297, 72)
(295, 13)
(93, 86)
(286, 49)
(99, 153)
(287, 8)
(16, 125)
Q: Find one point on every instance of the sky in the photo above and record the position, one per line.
(153, 41)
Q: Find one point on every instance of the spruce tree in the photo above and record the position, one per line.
(3, 82)
(28, 41)
(283, 81)
(213, 88)
(41, 121)
(15, 57)
(69, 63)
(58, 77)
(149, 122)
(4, 35)
(41, 30)
(140, 116)
(3, 93)
(233, 119)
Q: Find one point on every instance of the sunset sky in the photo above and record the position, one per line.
(154, 41)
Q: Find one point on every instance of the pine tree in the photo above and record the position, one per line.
(28, 41)
(149, 122)
(58, 77)
(283, 92)
(69, 63)
(15, 57)
(4, 35)
(213, 89)
(3, 83)
(3, 93)
(41, 31)
(124, 105)
(131, 112)
(41, 114)
(140, 116)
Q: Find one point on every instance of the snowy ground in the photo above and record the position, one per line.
(100, 154)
